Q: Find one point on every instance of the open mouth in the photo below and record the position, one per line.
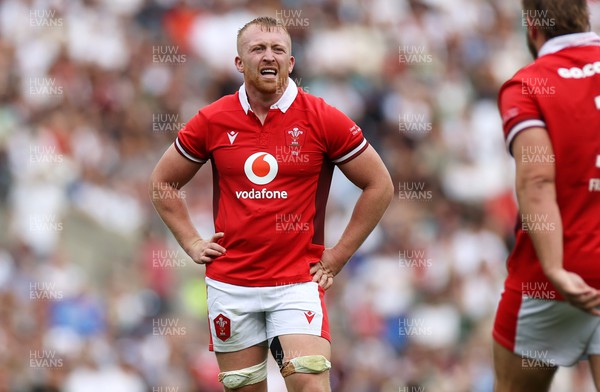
(268, 72)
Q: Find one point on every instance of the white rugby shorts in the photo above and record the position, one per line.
(545, 332)
(241, 316)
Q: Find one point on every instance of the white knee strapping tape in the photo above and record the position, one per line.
(307, 364)
(239, 378)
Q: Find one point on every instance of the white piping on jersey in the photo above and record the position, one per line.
(523, 125)
(556, 44)
(351, 153)
(185, 153)
(283, 104)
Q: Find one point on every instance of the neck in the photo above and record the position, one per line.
(261, 102)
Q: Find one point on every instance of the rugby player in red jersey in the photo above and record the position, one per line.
(272, 149)
(548, 313)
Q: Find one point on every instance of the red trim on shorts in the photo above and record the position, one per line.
(325, 325)
(507, 316)
(210, 340)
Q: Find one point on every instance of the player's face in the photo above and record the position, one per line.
(265, 59)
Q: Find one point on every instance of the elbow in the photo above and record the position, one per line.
(387, 190)
(380, 190)
(535, 188)
(390, 190)
(153, 186)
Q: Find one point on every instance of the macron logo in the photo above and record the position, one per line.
(232, 135)
(309, 316)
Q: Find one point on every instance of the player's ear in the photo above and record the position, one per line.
(532, 30)
(292, 62)
(239, 64)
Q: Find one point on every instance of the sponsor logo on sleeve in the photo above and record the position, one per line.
(355, 129)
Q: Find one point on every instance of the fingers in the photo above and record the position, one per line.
(210, 253)
(576, 291)
(583, 297)
(314, 269)
(216, 236)
(321, 276)
(213, 243)
(326, 282)
(316, 274)
(207, 251)
(588, 302)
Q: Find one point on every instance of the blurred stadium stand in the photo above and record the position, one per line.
(94, 293)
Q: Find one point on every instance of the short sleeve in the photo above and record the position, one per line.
(191, 139)
(344, 139)
(519, 108)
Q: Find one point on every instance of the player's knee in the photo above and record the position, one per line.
(235, 379)
(308, 382)
(311, 364)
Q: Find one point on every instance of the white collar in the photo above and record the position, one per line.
(556, 44)
(283, 104)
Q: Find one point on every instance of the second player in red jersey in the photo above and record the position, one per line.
(548, 314)
(560, 92)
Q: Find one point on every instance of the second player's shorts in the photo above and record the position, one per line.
(241, 317)
(548, 332)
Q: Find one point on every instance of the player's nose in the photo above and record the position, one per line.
(269, 55)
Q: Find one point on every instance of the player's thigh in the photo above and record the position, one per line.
(545, 332)
(238, 360)
(513, 375)
(593, 352)
(236, 319)
(595, 368)
(299, 345)
(297, 326)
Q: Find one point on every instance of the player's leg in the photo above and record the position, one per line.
(533, 336)
(513, 376)
(595, 368)
(593, 352)
(524, 328)
(238, 337)
(298, 332)
(304, 361)
(244, 366)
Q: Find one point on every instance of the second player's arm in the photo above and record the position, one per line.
(367, 172)
(536, 194)
(170, 174)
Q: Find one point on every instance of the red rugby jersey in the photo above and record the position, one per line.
(270, 182)
(560, 92)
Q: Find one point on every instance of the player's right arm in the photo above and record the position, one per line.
(171, 173)
(536, 194)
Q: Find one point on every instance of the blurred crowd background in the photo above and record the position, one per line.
(95, 295)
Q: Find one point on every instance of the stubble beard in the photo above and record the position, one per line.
(271, 87)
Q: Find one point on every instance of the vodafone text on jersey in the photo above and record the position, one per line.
(261, 168)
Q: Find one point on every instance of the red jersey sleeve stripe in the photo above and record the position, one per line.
(179, 147)
(523, 125)
(353, 153)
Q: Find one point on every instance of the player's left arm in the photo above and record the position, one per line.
(536, 194)
(367, 172)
